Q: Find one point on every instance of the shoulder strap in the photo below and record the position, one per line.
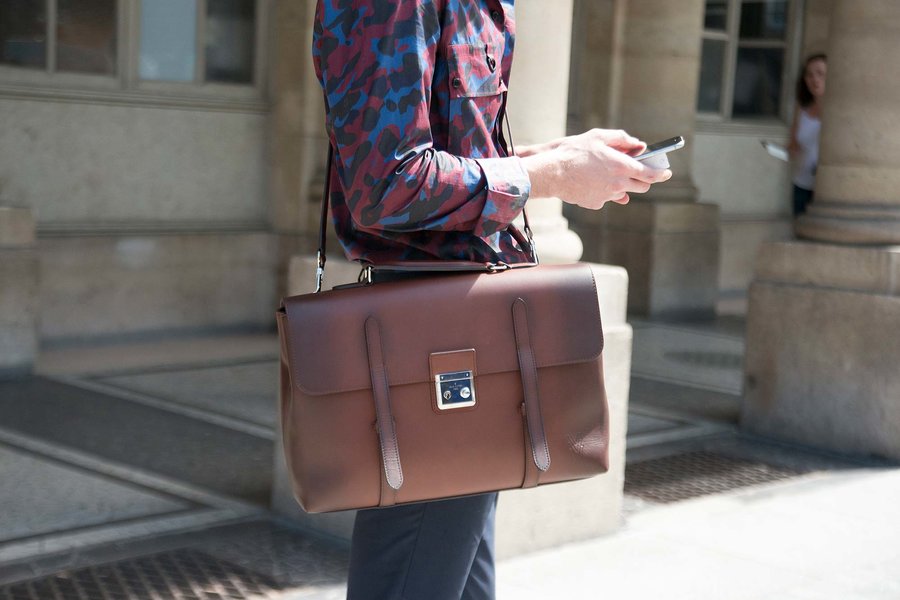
(323, 220)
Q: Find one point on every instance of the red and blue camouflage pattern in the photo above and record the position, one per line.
(414, 93)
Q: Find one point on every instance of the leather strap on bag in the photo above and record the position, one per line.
(540, 451)
(387, 435)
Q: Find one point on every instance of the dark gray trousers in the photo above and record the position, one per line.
(441, 550)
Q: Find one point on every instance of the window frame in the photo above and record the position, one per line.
(731, 37)
(126, 85)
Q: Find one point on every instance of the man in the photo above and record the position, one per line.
(415, 94)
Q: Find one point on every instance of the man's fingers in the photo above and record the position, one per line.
(638, 149)
(642, 172)
(634, 169)
(665, 175)
(637, 186)
(621, 140)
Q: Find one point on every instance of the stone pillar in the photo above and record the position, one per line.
(597, 33)
(18, 292)
(668, 242)
(822, 342)
(858, 178)
(659, 78)
(538, 100)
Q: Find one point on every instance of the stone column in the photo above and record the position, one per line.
(659, 78)
(858, 177)
(538, 99)
(824, 315)
(18, 292)
(668, 242)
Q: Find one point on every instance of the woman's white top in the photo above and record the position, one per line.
(808, 138)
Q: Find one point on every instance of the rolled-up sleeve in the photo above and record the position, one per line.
(376, 63)
(508, 187)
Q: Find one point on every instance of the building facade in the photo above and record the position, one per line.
(161, 165)
(170, 152)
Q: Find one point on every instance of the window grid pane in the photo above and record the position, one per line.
(712, 72)
(716, 15)
(86, 36)
(23, 33)
(757, 85)
(168, 40)
(764, 19)
(230, 40)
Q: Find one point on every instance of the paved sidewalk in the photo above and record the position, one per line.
(113, 446)
(833, 536)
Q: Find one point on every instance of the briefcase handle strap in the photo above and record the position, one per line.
(384, 418)
(540, 451)
(421, 265)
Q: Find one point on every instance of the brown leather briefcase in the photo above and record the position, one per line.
(478, 378)
(442, 386)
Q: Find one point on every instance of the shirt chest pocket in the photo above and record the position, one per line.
(474, 71)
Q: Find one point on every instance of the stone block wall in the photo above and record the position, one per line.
(18, 292)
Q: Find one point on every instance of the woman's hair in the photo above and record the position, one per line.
(804, 96)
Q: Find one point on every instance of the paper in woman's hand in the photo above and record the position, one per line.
(775, 150)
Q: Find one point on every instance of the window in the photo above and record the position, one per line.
(77, 36)
(170, 46)
(744, 59)
(170, 30)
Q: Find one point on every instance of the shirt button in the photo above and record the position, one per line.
(497, 17)
(457, 82)
(492, 64)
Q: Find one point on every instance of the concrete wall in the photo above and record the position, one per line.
(822, 348)
(120, 285)
(752, 189)
(148, 218)
(75, 163)
(18, 292)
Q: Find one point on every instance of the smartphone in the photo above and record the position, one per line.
(662, 147)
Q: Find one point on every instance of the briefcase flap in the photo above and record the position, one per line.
(326, 339)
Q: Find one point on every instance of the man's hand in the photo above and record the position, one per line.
(591, 169)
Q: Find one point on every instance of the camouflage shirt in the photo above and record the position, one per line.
(415, 91)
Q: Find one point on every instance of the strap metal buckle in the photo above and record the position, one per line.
(531, 244)
(320, 270)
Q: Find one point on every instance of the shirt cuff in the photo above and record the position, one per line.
(508, 188)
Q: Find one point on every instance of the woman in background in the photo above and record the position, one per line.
(804, 146)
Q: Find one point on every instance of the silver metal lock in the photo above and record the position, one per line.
(454, 390)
